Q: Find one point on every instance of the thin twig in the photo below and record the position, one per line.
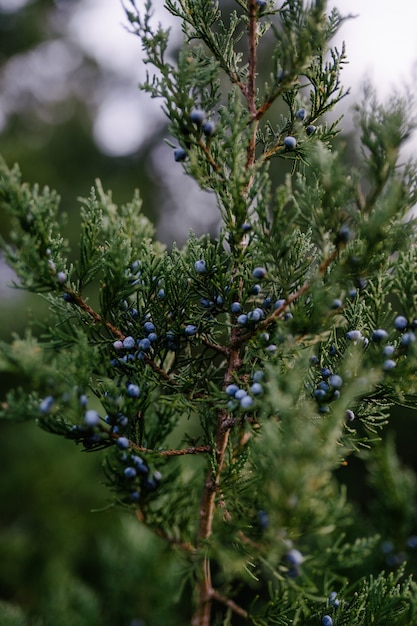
(232, 605)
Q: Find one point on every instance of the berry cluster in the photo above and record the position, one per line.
(199, 121)
(244, 398)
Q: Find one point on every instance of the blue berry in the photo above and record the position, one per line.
(180, 154)
(133, 390)
(254, 316)
(91, 418)
(408, 338)
(61, 277)
(232, 389)
(255, 289)
(412, 542)
(350, 416)
(200, 266)
(314, 360)
(235, 307)
(130, 473)
(301, 114)
(240, 394)
(263, 519)
(190, 330)
(344, 235)
(261, 4)
(152, 337)
(135, 495)
(246, 402)
(326, 372)
(46, 404)
(271, 348)
(128, 343)
(246, 227)
(118, 345)
(294, 557)
(83, 400)
(337, 303)
(242, 319)
(259, 272)
(161, 293)
(336, 381)
(388, 350)
(311, 129)
(149, 327)
(197, 116)
(258, 376)
(400, 323)
(257, 389)
(379, 335)
(353, 335)
(319, 394)
(144, 344)
(326, 620)
(332, 597)
(279, 303)
(388, 365)
(323, 385)
(209, 128)
(290, 142)
(122, 443)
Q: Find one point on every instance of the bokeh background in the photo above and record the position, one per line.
(71, 112)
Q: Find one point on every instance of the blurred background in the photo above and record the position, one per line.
(71, 112)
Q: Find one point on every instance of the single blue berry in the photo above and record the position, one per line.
(149, 327)
(240, 394)
(135, 495)
(255, 289)
(314, 360)
(332, 597)
(301, 114)
(290, 142)
(319, 394)
(336, 381)
(130, 472)
(118, 345)
(200, 266)
(197, 116)
(279, 303)
(261, 4)
(350, 416)
(323, 385)
(83, 400)
(122, 443)
(180, 154)
(246, 402)
(161, 293)
(46, 404)
(246, 227)
(242, 319)
(408, 338)
(61, 277)
(144, 344)
(231, 389)
(388, 350)
(190, 330)
(259, 272)
(294, 557)
(152, 337)
(133, 390)
(412, 542)
(209, 128)
(337, 303)
(254, 316)
(91, 418)
(326, 620)
(258, 376)
(345, 234)
(354, 335)
(263, 519)
(311, 129)
(235, 307)
(128, 343)
(379, 335)
(326, 372)
(271, 348)
(400, 323)
(256, 389)
(388, 365)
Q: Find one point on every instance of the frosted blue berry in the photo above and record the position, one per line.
(190, 330)
(128, 343)
(209, 128)
(231, 389)
(336, 381)
(180, 154)
(326, 620)
(314, 360)
(246, 227)
(144, 344)
(408, 338)
(135, 495)
(400, 323)
(254, 316)
(279, 303)
(197, 116)
(83, 400)
(301, 114)
(161, 293)
(256, 389)
(326, 372)
(122, 443)
(319, 394)
(271, 348)
(350, 416)
(337, 303)
(294, 557)
(311, 129)
(379, 335)
(332, 598)
(242, 319)
(259, 272)
(290, 142)
(323, 385)
(152, 337)
(235, 307)
(130, 473)
(61, 277)
(91, 418)
(388, 350)
(246, 402)
(388, 365)
(255, 289)
(133, 390)
(258, 376)
(353, 335)
(200, 266)
(261, 4)
(46, 404)
(149, 327)
(118, 345)
(345, 234)
(240, 393)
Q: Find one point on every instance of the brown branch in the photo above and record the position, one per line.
(170, 452)
(184, 545)
(215, 346)
(96, 317)
(229, 603)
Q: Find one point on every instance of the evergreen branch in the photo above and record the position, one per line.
(215, 346)
(96, 317)
(171, 452)
(185, 546)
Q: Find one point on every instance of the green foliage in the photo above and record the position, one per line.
(228, 382)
